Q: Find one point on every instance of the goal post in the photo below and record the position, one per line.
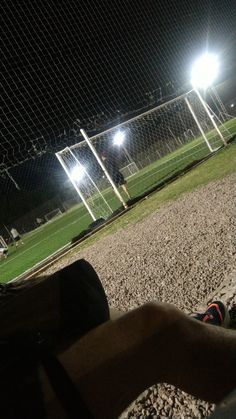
(198, 123)
(80, 172)
(52, 214)
(106, 172)
(206, 108)
(130, 170)
(3, 243)
(61, 160)
(143, 151)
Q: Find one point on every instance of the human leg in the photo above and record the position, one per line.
(125, 189)
(156, 343)
(115, 314)
(120, 181)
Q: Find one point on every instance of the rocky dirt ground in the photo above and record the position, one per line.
(183, 254)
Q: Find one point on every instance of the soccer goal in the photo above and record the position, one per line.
(82, 169)
(52, 214)
(129, 170)
(3, 243)
(143, 151)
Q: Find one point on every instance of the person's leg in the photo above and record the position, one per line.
(155, 343)
(125, 189)
(115, 314)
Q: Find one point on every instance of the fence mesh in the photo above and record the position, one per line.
(148, 149)
(81, 175)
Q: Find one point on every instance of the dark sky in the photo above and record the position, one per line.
(68, 59)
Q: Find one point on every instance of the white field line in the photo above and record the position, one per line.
(38, 264)
(168, 163)
(40, 228)
(63, 228)
(41, 241)
(163, 165)
(160, 169)
(31, 233)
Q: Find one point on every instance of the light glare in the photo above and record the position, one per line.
(77, 173)
(119, 138)
(205, 70)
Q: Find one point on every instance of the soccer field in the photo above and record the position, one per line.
(49, 238)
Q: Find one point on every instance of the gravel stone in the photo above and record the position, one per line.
(183, 253)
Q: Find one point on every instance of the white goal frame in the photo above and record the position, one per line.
(3, 243)
(198, 122)
(57, 212)
(76, 186)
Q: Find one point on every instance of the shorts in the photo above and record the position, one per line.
(17, 238)
(118, 179)
(77, 299)
(84, 303)
(81, 305)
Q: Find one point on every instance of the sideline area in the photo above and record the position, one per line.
(220, 165)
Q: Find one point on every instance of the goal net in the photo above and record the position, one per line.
(129, 170)
(3, 243)
(82, 169)
(52, 214)
(147, 149)
(79, 60)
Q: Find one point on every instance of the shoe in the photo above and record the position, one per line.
(216, 313)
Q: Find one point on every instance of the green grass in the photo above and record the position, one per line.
(221, 165)
(47, 239)
(162, 169)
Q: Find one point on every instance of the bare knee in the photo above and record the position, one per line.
(160, 312)
(155, 316)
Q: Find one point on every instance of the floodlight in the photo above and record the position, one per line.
(205, 71)
(77, 173)
(119, 138)
(232, 105)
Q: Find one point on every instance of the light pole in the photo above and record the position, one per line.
(204, 72)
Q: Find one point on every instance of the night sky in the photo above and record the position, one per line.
(64, 60)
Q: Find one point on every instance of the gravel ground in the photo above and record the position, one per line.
(184, 254)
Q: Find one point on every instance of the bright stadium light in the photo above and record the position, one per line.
(204, 71)
(77, 173)
(232, 105)
(119, 138)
